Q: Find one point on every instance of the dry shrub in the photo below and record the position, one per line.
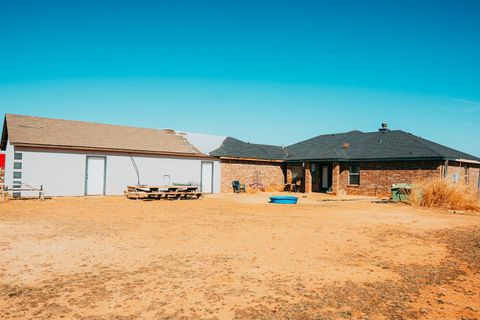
(253, 190)
(445, 194)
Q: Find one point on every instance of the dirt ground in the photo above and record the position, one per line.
(236, 256)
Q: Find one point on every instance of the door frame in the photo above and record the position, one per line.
(104, 173)
(201, 174)
(319, 172)
(329, 177)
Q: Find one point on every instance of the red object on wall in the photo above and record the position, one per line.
(2, 161)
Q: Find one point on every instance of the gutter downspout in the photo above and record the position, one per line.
(136, 169)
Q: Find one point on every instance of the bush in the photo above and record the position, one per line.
(444, 194)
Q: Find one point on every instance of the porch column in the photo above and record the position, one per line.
(308, 177)
(288, 173)
(335, 178)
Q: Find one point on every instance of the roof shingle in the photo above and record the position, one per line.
(386, 145)
(234, 148)
(57, 133)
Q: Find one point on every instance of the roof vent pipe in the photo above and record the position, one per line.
(384, 127)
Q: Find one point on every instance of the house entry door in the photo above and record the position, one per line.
(325, 177)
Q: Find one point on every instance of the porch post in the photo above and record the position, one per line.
(335, 178)
(289, 175)
(308, 177)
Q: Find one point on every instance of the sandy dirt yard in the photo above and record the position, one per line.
(235, 257)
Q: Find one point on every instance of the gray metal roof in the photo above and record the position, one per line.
(234, 148)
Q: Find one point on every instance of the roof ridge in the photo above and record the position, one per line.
(89, 122)
(257, 144)
(416, 139)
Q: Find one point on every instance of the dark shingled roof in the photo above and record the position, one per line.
(381, 145)
(234, 148)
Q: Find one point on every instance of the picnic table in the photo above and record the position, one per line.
(162, 192)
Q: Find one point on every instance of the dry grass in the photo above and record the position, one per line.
(444, 194)
(235, 257)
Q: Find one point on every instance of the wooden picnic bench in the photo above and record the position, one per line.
(163, 192)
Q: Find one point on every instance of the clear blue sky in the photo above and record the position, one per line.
(263, 71)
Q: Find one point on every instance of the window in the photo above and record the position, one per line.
(467, 178)
(17, 175)
(456, 177)
(17, 165)
(354, 175)
(17, 184)
(18, 156)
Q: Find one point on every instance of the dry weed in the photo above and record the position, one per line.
(445, 194)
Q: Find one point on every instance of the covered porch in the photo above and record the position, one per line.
(313, 176)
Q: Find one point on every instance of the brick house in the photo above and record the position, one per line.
(355, 162)
(73, 158)
(250, 163)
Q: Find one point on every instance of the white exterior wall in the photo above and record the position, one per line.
(9, 164)
(62, 173)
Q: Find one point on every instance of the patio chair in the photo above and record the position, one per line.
(237, 187)
(297, 184)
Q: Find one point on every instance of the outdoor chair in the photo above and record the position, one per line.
(237, 187)
(297, 184)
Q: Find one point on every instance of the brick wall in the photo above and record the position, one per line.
(270, 173)
(459, 171)
(376, 178)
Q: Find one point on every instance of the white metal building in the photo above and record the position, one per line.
(74, 158)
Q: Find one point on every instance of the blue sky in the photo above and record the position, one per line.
(263, 71)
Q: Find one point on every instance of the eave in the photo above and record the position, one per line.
(251, 159)
(368, 159)
(102, 149)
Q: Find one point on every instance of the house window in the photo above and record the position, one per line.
(17, 184)
(18, 156)
(467, 178)
(17, 165)
(354, 175)
(17, 175)
(456, 177)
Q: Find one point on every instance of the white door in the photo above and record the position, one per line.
(95, 176)
(207, 177)
(325, 177)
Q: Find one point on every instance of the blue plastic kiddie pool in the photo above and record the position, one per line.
(283, 199)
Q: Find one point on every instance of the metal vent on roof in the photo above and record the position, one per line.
(384, 127)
